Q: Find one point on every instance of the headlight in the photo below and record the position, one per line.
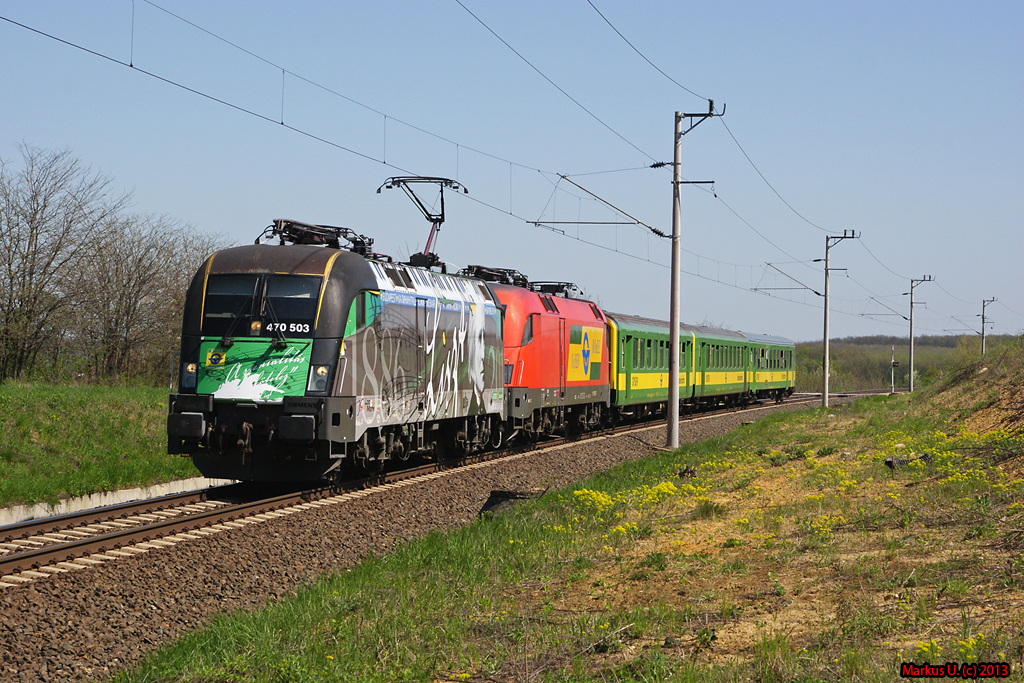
(188, 376)
(318, 378)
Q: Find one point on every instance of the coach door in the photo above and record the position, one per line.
(746, 368)
(702, 367)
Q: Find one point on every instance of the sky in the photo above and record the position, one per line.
(900, 122)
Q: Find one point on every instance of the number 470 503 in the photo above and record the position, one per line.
(287, 327)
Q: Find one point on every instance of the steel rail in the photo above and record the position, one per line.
(58, 523)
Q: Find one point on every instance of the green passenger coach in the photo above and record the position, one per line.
(715, 366)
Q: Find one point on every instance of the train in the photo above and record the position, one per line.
(318, 358)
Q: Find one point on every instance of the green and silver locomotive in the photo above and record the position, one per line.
(300, 358)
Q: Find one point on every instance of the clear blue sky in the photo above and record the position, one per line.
(901, 121)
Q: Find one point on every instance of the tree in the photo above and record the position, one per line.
(52, 212)
(132, 294)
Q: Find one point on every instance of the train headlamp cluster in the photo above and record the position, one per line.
(188, 376)
(318, 378)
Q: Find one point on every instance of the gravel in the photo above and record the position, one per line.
(86, 624)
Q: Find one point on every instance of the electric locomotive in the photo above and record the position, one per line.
(556, 359)
(301, 358)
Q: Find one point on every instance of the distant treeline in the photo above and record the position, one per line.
(944, 341)
(866, 362)
(89, 291)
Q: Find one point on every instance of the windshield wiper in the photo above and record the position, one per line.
(278, 342)
(226, 341)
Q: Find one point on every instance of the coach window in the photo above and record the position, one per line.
(648, 364)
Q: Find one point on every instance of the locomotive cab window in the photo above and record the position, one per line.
(528, 329)
(290, 304)
(227, 309)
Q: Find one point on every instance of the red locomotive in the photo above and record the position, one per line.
(556, 355)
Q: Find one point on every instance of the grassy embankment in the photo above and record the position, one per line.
(63, 441)
(794, 553)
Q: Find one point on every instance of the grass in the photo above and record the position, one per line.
(59, 442)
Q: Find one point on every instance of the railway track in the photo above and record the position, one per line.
(37, 549)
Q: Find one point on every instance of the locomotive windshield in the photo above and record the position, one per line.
(289, 307)
(227, 310)
(261, 305)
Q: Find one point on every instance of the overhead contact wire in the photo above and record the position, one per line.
(556, 86)
(334, 92)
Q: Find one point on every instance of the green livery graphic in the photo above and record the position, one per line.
(253, 370)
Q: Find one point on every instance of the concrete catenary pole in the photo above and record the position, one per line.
(672, 440)
(830, 241)
(824, 360)
(984, 303)
(914, 283)
(911, 380)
